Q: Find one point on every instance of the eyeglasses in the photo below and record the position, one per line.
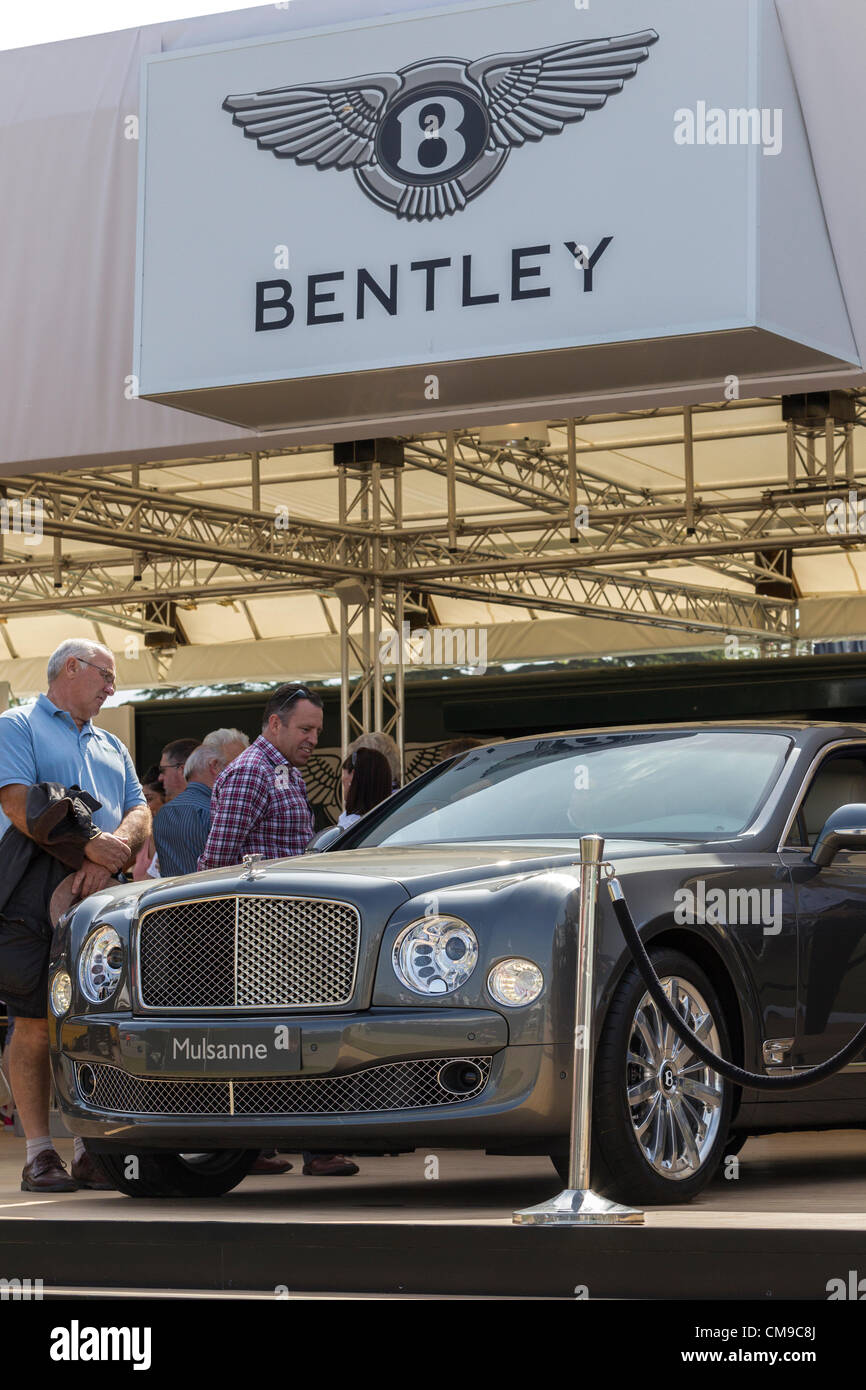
(301, 690)
(162, 769)
(110, 677)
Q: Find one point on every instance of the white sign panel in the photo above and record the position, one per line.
(490, 202)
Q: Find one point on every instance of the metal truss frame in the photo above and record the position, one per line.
(554, 532)
(372, 496)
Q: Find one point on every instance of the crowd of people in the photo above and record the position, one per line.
(205, 805)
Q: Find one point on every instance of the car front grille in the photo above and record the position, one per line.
(248, 952)
(388, 1086)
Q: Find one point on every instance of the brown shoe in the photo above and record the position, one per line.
(269, 1166)
(87, 1173)
(47, 1173)
(330, 1166)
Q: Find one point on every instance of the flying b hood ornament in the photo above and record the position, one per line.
(425, 140)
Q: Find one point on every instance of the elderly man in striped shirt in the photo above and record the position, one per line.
(259, 806)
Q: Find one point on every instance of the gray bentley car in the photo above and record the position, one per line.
(413, 984)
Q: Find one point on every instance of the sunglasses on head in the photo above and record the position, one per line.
(301, 690)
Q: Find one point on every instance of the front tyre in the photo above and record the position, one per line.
(152, 1173)
(661, 1115)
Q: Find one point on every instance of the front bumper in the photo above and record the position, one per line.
(363, 1082)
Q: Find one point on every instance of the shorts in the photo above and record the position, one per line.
(25, 939)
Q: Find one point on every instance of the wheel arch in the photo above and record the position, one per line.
(698, 949)
(705, 954)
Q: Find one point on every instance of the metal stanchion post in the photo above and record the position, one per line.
(579, 1205)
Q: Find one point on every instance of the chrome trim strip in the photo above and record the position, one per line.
(222, 1010)
(807, 782)
(235, 954)
(794, 1071)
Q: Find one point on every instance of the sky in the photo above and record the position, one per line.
(23, 24)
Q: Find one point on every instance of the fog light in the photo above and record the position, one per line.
(86, 1080)
(515, 982)
(60, 994)
(459, 1078)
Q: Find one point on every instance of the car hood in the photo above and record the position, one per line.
(423, 867)
(416, 868)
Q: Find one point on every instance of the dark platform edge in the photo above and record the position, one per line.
(323, 1257)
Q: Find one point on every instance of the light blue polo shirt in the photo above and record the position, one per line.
(44, 744)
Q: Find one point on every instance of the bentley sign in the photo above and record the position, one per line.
(351, 226)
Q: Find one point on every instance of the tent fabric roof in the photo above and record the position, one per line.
(68, 253)
(69, 175)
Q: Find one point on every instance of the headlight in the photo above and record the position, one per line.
(60, 994)
(100, 964)
(435, 955)
(515, 981)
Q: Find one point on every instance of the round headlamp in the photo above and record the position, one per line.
(100, 965)
(60, 993)
(515, 981)
(435, 955)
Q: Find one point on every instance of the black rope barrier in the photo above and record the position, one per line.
(756, 1080)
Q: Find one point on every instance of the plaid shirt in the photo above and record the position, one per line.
(259, 806)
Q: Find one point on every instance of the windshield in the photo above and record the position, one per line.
(678, 784)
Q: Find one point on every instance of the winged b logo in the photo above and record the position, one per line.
(425, 140)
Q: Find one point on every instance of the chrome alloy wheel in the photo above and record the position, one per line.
(674, 1100)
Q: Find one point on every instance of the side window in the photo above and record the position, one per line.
(839, 781)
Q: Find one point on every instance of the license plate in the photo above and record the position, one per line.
(262, 1050)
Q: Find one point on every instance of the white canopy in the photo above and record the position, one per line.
(68, 170)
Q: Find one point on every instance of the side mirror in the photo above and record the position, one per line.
(844, 829)
(323, 839)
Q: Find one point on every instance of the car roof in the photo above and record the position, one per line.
(791, 727)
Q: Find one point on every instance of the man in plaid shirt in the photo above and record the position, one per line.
(260, 806)
(259, 803)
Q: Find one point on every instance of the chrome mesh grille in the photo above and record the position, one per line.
(293, 951)
(389, 1086)
(249, 952)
